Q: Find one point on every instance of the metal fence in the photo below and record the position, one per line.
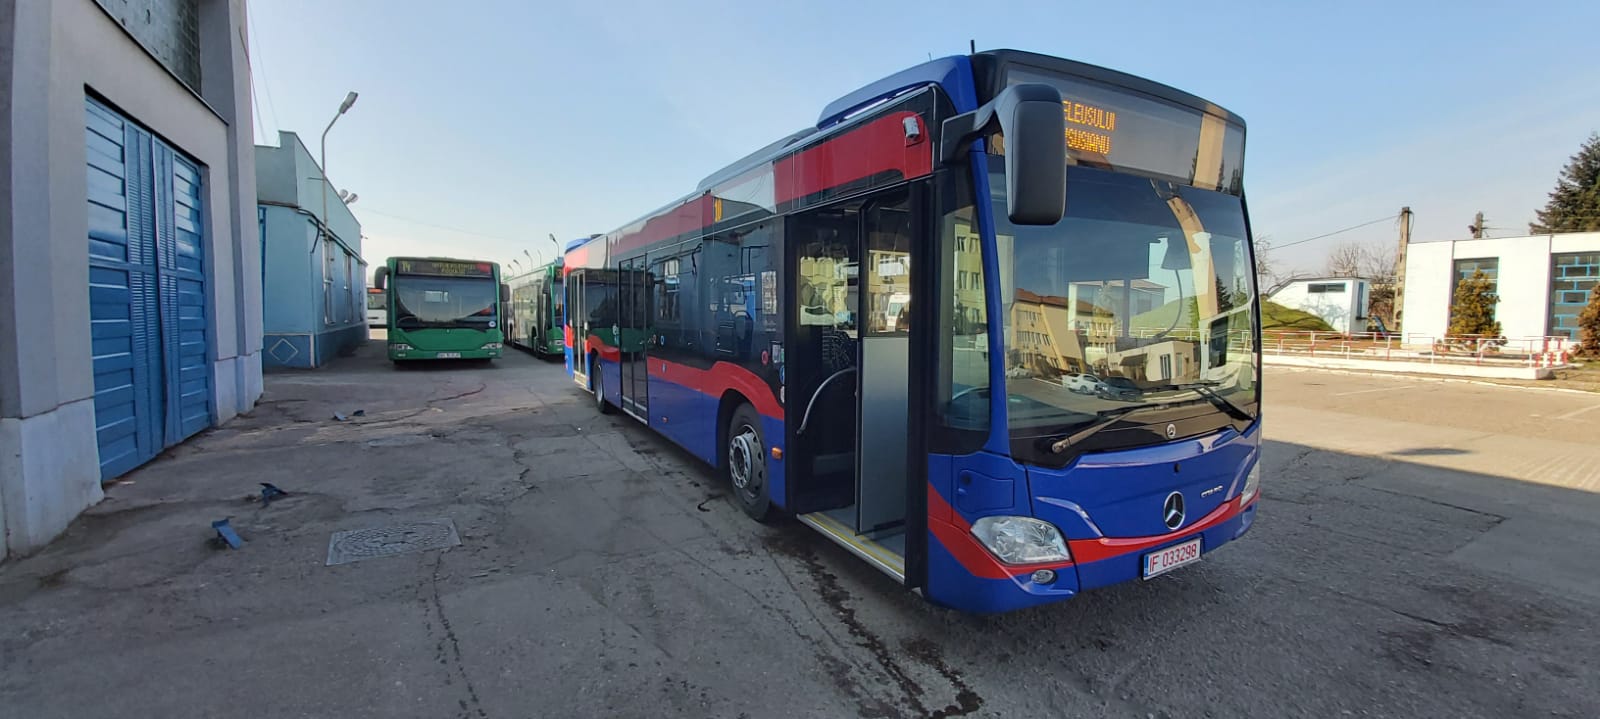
(1453, 349)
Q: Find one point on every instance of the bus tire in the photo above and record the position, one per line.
(597, 379)
(744, 463)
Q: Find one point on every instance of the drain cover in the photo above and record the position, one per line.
(358, 544)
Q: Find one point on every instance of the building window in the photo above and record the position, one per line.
(1490, 266)
(1572, 277)
(1325, 287)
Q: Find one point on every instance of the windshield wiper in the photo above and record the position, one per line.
(1204, 389)
(1105, 418)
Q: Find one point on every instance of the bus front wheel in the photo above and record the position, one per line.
(745, 463)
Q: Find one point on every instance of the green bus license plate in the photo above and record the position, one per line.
(1165, 560)
(448, 355)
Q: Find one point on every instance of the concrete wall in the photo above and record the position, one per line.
(1523, 284)
(53, 54)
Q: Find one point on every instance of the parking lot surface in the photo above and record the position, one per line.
(1423, 549)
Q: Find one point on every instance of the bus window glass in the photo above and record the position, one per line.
(964, 318)
(422, 302)
(1140, 293)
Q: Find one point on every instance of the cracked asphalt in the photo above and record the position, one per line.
(1424, 549)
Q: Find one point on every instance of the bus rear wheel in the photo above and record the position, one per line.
(599, 387)
(745, 463)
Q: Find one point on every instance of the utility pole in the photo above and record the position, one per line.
(1477, 226)
(1397, 305)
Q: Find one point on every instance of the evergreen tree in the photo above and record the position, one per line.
(1473, 312)
(1589, 325)
(1574, 206)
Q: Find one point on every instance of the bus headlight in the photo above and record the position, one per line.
(399, 347)
(1252, 485)
(491, 346)
(1021, 540)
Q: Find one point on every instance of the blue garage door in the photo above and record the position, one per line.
(147, 298)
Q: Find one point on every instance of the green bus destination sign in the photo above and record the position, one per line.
(444, 268)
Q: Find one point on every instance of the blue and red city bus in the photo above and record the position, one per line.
(1013, 299)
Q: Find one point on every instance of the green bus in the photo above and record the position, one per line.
(442, 308)
(537, 301)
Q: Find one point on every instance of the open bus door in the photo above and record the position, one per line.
(850, 356)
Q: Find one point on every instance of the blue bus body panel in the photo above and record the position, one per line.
(952, 74)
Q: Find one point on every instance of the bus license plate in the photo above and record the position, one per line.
(1166, 560)
(448, 355)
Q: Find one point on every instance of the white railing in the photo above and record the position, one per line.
(1455, 349)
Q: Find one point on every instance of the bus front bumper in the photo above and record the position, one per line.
(964, 576)
(421, 354)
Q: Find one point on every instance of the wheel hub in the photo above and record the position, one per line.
(743, 460)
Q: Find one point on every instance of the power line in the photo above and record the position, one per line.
(1335, 232)
(261, 63)
(441, 227)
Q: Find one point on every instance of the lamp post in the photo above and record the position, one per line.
(531, 262)
(557, 244)
(344, 107)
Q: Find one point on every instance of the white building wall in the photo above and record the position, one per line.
(53, 55)
(1429, 270)
(1343, 311)
(1523, 284)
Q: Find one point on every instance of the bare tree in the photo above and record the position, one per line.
(1347, 260)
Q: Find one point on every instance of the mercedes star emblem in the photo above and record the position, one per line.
(1172, 431)
(1172, 510)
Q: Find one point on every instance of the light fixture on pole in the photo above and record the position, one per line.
(531, 262)
(344, 107)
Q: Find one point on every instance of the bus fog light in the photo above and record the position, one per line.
(1252, 485)
(400, 347)
(1021, 540)
(1044, 576)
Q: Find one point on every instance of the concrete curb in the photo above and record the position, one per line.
(1431, 378)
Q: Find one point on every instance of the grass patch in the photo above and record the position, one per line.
(1277, 317)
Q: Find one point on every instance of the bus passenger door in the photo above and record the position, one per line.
(884, 389)
(634, 335)
(578, 320)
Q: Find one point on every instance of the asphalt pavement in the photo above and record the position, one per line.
(1423, 549)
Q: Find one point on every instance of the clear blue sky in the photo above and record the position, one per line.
(507, 121)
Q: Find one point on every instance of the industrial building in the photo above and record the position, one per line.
(130, 289)
(1543, 282)
(314, 284)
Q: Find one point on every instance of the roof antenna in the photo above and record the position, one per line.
(972, 45)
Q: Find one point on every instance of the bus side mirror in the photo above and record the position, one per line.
(505, 292)
(1035, 127)
(380, 279)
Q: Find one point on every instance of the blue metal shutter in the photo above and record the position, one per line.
(147, 293)
(124, 329)
(185, 344)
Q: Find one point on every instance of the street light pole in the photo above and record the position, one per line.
(531, 262)
(344, 107)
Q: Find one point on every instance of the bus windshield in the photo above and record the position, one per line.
(1141, 294)
(435, 302)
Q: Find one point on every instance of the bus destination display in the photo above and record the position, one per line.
(444, 268)
(1089, 128)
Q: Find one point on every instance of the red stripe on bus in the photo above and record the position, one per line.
(956, 536)
(1095, 550)
(594, 344)
(717, 380)
(876, 147)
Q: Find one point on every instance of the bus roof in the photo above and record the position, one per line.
(950, 73)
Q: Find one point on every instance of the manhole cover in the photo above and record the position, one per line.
(358, 544)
